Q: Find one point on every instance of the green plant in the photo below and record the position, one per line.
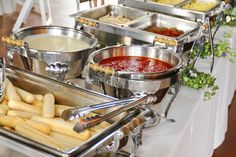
(229, 18)
(222, 49)
(192, 78)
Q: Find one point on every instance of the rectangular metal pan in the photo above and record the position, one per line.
(207, 12)
(115, 10)
(67, 95)
(175, 11)
(162, 20)
(164, 4)
(132, 31)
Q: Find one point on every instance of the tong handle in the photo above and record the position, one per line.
(84, 124)
(3, 78)
(78, 112)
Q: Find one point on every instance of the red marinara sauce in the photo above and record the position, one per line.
(135, 64)
(171, 32)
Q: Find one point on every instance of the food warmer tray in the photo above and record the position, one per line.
(71, 95)
(175, 10)
(88, 20)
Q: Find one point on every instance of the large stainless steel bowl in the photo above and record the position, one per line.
(55, 63)
(124, 84)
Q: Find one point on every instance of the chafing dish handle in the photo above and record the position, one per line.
(3, 78)
(15, 45)
(163, 42)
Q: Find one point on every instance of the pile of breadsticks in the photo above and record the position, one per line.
(38, 117)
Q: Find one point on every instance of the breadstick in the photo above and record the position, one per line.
(93, 133)
(60, 108)
(25, 96)
(104, 124)
(5, 107)
(66, 145)
(5, 102)
(63, 127)
(68, 140)
(21, 106)
(43, 127)
(48, 106)
(11, 121)
(21, 114)
(38, 103)
(3, 111)
(11, 91)
(8, 128)
(96, 128)
(38, 97)
(36, 135)
(6, 97)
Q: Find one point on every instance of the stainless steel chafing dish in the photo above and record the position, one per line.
(176, 10)
(125, 84)
(108, 141)
(130, 33)
(58, 60)
(202, 17)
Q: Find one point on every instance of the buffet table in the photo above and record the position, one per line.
(200, 125)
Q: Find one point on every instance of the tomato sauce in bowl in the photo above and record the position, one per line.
(138, 64)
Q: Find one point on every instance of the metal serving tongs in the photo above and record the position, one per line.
(79, 112)
(95, 120)
(2, 79)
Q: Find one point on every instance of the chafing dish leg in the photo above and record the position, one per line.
(136, 136)
(212, 46)
(177, 87)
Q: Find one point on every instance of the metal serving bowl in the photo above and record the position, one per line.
(53, 63)
(124, 84)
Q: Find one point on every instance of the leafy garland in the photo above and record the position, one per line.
(199, 80)
(222, 49)
(230, 17)
(192, 78)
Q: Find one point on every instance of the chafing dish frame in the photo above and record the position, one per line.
(176, 10)
(92, 25)
(95, 144)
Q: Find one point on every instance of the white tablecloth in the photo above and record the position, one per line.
(200, 125)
